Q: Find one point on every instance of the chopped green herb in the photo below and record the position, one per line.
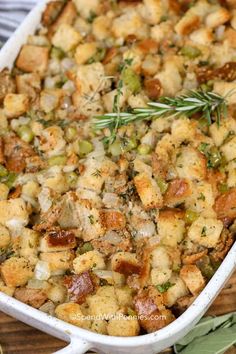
(164, 287)
(203, 232)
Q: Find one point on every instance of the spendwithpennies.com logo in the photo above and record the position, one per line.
(119, 316)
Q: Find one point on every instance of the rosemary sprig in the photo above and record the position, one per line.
(209, 103)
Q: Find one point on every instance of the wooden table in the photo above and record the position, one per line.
(18, 338)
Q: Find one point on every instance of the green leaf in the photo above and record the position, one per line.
(216, 342)
(205, 325)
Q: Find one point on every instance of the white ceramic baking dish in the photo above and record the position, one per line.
(81, 340)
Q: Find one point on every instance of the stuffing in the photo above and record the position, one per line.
(50, 99)
(7, 84)
(8, 290)
(88, 105)
(28, 244)
(205, 231)
(124, 296)
(202, 36)
(86, 7)
(66, 38)
(113, 219)
(127, 24)
(32, 297)
(225, 205)
(188, 23)
(16, 271)
(15, 104)
(108, 98)
(193, 278)
(103, 304)
(5, 237)
(52, 141)
(91, 78)
(91, 223)
(57, 240)
(170, 88)
(201, 198)
(160, 258)
(71, 312)
(190, 163)
(182, 130)
(99, 326)
(125, 326)
(33, 59)
(13, 213)
(101, 27)
(177, 192)
(148, 191)
(89, 260)
(28, 84)
(220, 133)
(125, 263)
(66, 16)
(176, 291)
(231, 179)
(217, 18)
(58, 261)
(160, 276)
(171, 227)
(4, 191)
(153, 11)
(226, 89)
(84, 52)
(229, 149)
(57, 293)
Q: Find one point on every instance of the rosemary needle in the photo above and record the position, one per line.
(208, 103)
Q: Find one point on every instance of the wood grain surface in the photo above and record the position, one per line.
(18, 338)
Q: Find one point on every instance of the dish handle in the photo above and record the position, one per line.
(76, 346)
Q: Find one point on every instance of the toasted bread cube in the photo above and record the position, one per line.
(113, 219)
(191, 164)
(153, 11)
(231, 168)
(202, 36)
(187, 24)
(230, 36)
(71, 312)
(58, 261)
(229, 149)
(193, 278)
(124, 296)
(16, 271)
(177, 290)
(217, 18)
(125, 263)
(160, 276)
(32, 297)
(91, 78)
(103, 305)
(28, 244)
(89, 260)
(226, 89)
(128, 23)
(4, 190)
(99, 326)
(33, 59)
(84, 52)
(66, 38)
(201, 198)
(101, 27)
(171, 227)
(13, 212)
(28, 84)
(123, 327)
(8, 290)
(67, 16)
(86, 7)
(90, 229)
(148, 191)
(5, 237)
(15, 104)
(205, 231)
(50, 99)
(57, 293)
(219, 132)
(160, 258)
(178, 191)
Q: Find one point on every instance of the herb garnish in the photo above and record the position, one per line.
(208, 103)
(164, 287)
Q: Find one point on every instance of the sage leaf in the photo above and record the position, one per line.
(216, 342)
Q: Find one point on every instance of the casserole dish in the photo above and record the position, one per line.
(81, 340)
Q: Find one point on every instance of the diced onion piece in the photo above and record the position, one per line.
(42, 271)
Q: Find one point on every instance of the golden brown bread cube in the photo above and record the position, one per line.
(16, 271)
(193, 278)
(33, 59)
(15, 104)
